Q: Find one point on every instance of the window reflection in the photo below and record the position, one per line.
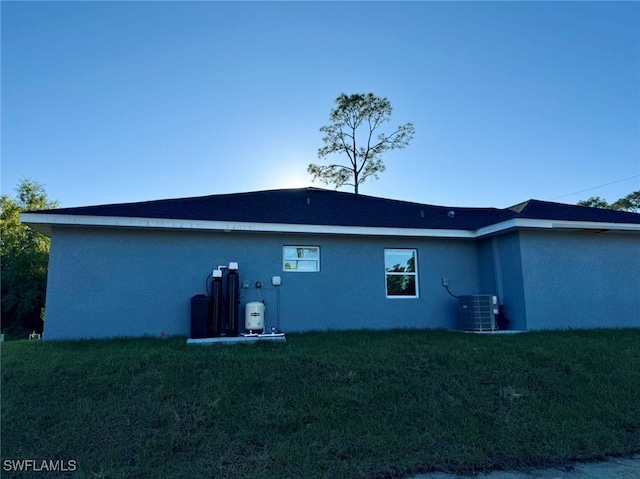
(401, 273)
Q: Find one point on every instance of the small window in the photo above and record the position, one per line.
(401, 273)
(301, 258)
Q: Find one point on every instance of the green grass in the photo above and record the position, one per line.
(325, 405)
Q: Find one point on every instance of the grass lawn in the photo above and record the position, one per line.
(323, 405)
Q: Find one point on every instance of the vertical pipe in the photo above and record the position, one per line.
(216, 304)
(233, 299)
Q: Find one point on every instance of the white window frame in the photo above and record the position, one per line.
(286, 259)
(404, 273)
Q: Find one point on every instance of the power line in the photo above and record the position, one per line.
(596, 187)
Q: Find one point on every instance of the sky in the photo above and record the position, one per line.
(113, 102)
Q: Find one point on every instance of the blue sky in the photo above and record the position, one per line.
(131, 101)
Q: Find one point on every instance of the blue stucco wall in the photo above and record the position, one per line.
(581, 279)
(116, 282)
(509, 280)
(488, 280)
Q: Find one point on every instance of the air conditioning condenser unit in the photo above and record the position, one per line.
(478, 312)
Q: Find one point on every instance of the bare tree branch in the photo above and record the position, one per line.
(358, 112)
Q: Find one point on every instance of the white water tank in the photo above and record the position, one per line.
(254, 316)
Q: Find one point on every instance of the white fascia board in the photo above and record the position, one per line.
(38, 220)
(525, 223)
(512, 224)
(596, 225)
(43, 222)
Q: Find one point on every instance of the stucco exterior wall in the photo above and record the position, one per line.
(507, 266)
(116, 282)
(581, 279)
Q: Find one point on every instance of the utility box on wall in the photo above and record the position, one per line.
(478, 312)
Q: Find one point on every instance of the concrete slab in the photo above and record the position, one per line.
(497, 331)
(249, 339)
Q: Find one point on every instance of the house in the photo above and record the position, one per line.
(343, 261)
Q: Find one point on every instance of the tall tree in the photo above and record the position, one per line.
(25, 255)
(631, 202)
(354, 123)
(594, 202)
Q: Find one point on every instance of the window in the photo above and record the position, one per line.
(401, 273)
(301, 258)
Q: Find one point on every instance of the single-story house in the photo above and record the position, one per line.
(329, 260)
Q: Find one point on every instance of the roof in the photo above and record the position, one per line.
(325, 209)
(546, 210)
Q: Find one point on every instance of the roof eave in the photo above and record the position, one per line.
(43, 223)
(557, 225)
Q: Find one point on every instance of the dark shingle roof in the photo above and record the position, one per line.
(316, 206)
(546, 210)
